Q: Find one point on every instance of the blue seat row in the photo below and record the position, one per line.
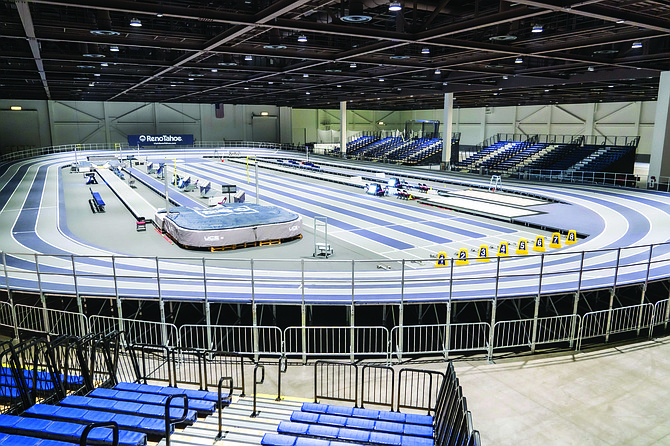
(202, 408)
(158, 390)
(127, 407)
(21, 440)
(363, 423)
(372, 414)
(63, 431)
(271, 439)
(149, 426)
(352, 435)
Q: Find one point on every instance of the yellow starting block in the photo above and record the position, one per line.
(462, 257)
(503, 249)
(539, 244)
(483, 254)
(572, 237)
(441, 259)
(522, 248)
(555, 240)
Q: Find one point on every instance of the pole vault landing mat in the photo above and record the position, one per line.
(232, 224)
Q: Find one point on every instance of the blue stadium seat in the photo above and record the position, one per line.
(382, 415)
(362, 423)
(190, 393)
(21, 440)
(62, 431)
(272, 439)
(126, 407)
(149, 426)
(203, 408)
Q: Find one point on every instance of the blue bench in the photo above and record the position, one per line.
(21, 440)
(359, 436)
(97, 205)
(271, 439)
(63, 431)
(372, 414)
(158, 390)
(202, 408)
(150, 426)
(127, 408)
(363, 423)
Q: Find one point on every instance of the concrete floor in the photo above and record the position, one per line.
(614, 394)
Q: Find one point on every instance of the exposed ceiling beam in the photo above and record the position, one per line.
(27, 21)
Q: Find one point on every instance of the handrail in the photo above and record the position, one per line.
(282, 359)
(219, 436)
(115, 432)
(168, 419)
(256, 382)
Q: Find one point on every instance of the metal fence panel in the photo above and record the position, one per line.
(137, 332)
(419, 339)
(616, 320)
(232, 338)
(336, 341)
(41, 320)
(519, 333)
(470, 336)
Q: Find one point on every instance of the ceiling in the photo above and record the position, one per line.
(248, 51)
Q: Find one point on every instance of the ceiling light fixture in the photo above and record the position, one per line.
(264, 113)
(96, 74)
(307, 92)
(519, 60)
(305, 75)
(505, 77)
(159, 15)
(591, 69)
(537, 29)
(352, 65)
(425, 50)
(395, 6)
(91, 84)
(437, 71)
(15, 108)
(104, 64)
(135, 22)
(381, 79)
(302, 38)
(114, 48)
(636, 45)
(191, 79)
(214, 70)
(270, 82)
(248, 57)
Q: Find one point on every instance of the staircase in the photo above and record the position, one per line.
(238, 427)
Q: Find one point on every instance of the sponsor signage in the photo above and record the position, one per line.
(160, 140)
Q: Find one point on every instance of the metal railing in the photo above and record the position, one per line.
(137, 331)
(615, 320)
(519, 333)
(244, 339)
(335, 341)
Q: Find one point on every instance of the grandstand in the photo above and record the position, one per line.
(511, 154)
(105, 389)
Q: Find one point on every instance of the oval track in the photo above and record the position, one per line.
(629, 246)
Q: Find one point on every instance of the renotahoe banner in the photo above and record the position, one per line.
(160, 140)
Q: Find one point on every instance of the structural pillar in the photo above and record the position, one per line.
(447, 155)
(343, 128)
(659, 165)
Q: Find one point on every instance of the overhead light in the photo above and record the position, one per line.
(546, 91)
(519, 60)
(270, 82)
(381, 79)
(173, 85)
(96, 74)
(159, 15)
(425, 50)
(537, 29)
(91, 84)
(591, 69)
(380, 123)
(248, 57)
(305, 75)
(274, 47)
(395, 6)
(437, 71)
(104, 64)
(356, 13)
(93, 55)
(352, 65)
(307, 92)
(620, 21)
(610, 86)
(302, 38)
(339, 86)
(443, 83)
(15, 108)
(637, 45)
(114, 48)
(505, 77)
(135, 22)
(191, 79)
(264, 113)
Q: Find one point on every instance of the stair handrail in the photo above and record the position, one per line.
(256, 382)
(219, 402)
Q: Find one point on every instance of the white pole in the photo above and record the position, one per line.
(258, 197)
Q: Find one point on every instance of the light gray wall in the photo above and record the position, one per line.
(478, 124)
(52, 123)
(45, 123)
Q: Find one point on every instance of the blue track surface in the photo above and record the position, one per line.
(636, 218)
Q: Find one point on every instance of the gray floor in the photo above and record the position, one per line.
(608, 395)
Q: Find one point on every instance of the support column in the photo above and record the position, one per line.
(343, 128)
(659, 165)
(447, 131)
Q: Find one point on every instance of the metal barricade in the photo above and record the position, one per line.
(336, 381)
(472, 336)
(616, 320)
(136, 331)
(518, 333)
(419, 339)
(232, 338)
(48, 321)
(336, 341)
